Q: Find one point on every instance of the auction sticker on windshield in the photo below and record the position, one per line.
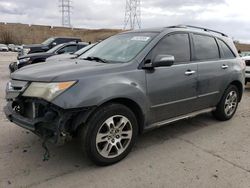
(140, 38)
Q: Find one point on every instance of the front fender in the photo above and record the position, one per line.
(96, 90)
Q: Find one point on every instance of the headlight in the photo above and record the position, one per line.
(24, 60)
(47, 91)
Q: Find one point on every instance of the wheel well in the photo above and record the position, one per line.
(132, 106)
(239, 86)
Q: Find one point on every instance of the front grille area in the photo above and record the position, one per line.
(29, 108)
(247, 62)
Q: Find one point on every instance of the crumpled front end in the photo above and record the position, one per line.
(40, 116)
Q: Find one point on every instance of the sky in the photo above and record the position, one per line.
(228, 16)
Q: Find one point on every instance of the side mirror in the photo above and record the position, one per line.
(54, 44)
(163, 61)
(160, 61)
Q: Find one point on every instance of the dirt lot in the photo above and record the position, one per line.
(200, 152)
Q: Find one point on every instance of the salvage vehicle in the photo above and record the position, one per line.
(33, 58)
(4, 48)
(64, 57)
(127, 84)
(46, 45)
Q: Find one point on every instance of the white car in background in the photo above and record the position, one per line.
(4, 48)
(247, 60)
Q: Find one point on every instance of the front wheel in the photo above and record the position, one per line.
(109, 134)
(228, 105)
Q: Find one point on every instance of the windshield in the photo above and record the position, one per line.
(48, 41)
(120, 48)
(53, 50)
(83, 50)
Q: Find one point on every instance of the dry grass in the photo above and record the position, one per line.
(30, 34)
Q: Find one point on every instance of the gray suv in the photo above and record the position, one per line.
(126, 85)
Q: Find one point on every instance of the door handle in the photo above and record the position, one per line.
(189, 72)
(224, 66)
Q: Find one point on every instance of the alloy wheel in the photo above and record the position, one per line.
(114, 136)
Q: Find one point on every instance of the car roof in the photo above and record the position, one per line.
(187, 28)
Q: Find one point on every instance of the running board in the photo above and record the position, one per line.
(172, 120)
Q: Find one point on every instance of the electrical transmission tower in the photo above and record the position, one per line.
(65, 9)
(132, 14)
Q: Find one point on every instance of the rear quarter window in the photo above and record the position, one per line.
(205, 47)
(226, 52)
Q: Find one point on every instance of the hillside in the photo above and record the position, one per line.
(30, 34)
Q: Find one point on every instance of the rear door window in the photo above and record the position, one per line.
(205, 48)
(226, 52)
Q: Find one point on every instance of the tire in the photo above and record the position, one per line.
(228, 105)
(104, 143)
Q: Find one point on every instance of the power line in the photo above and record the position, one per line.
(132, 14)
(65, 9)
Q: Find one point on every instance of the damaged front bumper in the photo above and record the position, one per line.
(45, 119)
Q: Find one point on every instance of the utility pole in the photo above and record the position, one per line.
(65, 9)
(132, 15)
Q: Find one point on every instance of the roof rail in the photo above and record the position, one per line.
(201, 28)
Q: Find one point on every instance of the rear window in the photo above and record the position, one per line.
(226, 52)
(205, 47)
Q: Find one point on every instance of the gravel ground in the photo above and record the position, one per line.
(200, 152)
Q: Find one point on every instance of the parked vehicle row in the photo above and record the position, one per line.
(127, 84)
(33, 58)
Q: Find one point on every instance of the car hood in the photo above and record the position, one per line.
(32, 55)
(67, 70)
(61, 57)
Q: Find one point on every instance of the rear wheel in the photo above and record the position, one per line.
(109, 134)
(228, 105)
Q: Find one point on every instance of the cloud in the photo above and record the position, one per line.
(223, 15)
(180, 3)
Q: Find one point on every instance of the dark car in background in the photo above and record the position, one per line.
(63, 57)
(33, 58)
(47, 44)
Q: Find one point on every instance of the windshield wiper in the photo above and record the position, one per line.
(98, 59)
